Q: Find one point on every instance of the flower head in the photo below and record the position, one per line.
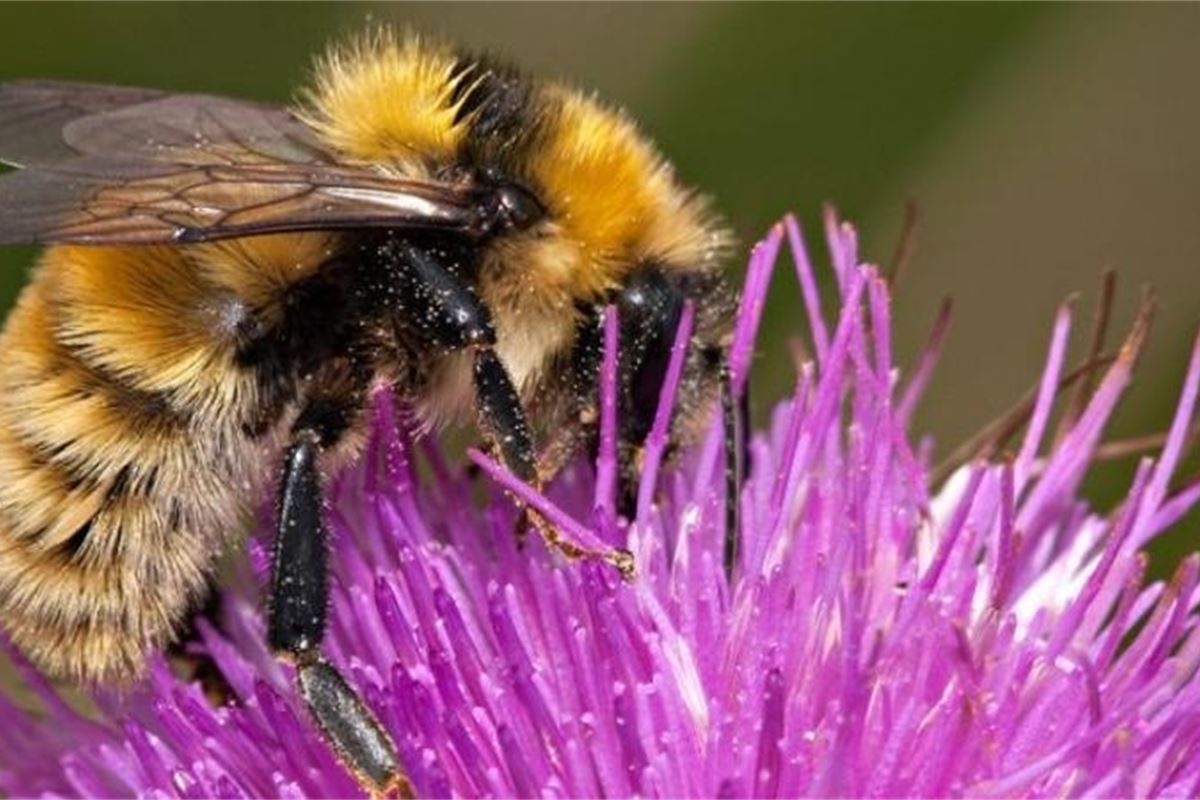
(879, 636)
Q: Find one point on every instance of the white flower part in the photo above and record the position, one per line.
(643, 541)
(686, 677)
(689, 522)
(941, 509)
(781, 543)
(1061, 580)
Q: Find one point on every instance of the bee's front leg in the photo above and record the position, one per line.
(299, 596)
(447, 313)
(735, 414)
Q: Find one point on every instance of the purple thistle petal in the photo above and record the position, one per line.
(1176, 439)
(754, 298)
(808, 287)
(1047, 390)
(656, 440)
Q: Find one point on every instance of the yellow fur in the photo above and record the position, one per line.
(613, 201)
(387, 102)
(256, 270)
(601, 181)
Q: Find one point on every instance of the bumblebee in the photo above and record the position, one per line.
(225, 285)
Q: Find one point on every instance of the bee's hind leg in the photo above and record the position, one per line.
(734, 416)
(299, 596)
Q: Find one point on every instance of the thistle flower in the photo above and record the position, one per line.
(880, 636)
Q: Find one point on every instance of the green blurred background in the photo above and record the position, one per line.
(1043, 143)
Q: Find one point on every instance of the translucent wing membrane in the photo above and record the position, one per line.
(110, 165)
(30, 110)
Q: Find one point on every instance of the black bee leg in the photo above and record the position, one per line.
(733, 420)
(446, 312)
(299, 596)
(503, 418)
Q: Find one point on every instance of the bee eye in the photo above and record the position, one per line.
(517, 207)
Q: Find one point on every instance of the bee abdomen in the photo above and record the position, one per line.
(89, 590)
(113, 503)
(90, 611)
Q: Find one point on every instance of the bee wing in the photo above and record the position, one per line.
(30, 110)
(106, 165)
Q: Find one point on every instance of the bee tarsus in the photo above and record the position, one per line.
(350, 727)
(734, 412)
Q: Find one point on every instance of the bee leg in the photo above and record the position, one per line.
(563, 444)
(449, 314)
(503, 419)
(299, 595)
(733, 418)
(503, 416)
